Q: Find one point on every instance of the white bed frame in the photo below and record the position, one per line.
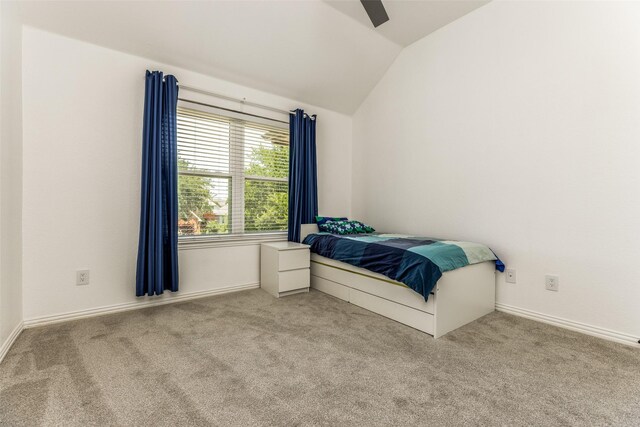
(461, 296)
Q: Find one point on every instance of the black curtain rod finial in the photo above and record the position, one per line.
(311, 116)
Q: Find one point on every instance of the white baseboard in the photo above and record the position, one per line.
(584, 328)
(6, 345)
(167, 298)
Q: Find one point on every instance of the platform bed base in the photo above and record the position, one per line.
(461, 296)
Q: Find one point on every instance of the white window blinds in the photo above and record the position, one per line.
(232, 175)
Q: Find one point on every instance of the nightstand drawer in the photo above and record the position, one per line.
(293, 259)
(293, 279)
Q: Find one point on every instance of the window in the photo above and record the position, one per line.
(232, 175)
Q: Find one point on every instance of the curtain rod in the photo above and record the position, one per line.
(242, 101)
(229, 98)
(231, 110)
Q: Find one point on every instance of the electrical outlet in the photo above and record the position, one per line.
(552, 283)
(510, 275)
(82, 277)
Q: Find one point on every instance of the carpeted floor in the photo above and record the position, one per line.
(309, 359)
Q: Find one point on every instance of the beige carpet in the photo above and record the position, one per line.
(309, 359)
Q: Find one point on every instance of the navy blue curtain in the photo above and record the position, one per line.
(157, 267)
(303, 176)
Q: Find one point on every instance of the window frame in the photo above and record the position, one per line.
(237, 185)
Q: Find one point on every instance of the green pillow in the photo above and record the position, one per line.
(321, 220)
(346, 227)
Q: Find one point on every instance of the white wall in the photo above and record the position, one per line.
(518, 126)
(10, 172)
(82, 143)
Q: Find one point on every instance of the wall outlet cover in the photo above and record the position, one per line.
(82, 277)
(510, 275)
(552, 283)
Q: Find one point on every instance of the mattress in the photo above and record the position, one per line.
(417, 262)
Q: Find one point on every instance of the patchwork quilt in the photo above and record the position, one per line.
(418, 262)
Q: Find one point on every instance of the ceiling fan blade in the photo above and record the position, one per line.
(375, 10)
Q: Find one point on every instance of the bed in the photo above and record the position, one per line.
(459, 296)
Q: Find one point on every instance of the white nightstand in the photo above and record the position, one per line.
(284, 268)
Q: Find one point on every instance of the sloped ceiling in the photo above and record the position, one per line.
(410, 20)
(304, 50)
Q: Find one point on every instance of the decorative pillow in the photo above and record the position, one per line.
(322, 219)
(346, 227)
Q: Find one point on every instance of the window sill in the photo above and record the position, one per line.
(202, 242)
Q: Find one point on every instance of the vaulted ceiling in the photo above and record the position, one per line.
(319, 52)
(410, 20)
